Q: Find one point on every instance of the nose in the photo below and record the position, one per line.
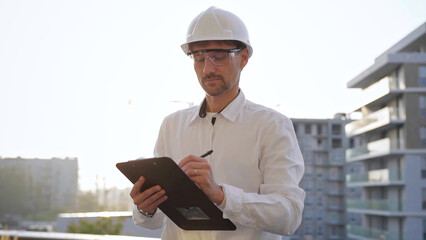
(209, 67)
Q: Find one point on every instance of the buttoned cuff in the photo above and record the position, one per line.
(140, 218)
(232, 205)
(221, 206)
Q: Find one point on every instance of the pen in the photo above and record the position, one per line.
(206, 154)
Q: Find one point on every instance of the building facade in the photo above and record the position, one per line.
(323, 144)
(386, 159)
(51, 183)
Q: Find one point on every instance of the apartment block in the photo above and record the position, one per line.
(386, 159)
(323, 144)
(48, 182)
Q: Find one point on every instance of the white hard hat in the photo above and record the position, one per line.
(217, 24)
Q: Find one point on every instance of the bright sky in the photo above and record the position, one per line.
(93, 79)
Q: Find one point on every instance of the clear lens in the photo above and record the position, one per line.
(218, 57)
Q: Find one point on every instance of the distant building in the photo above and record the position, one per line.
(323, 144)
(54, 180)
(386, 161)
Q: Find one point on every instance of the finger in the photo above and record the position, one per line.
(190, 158)
(152, 202)
(142, 196)
(150, 192)
(192, 172)
(137, 187)
(157, 202)
(193, 165)
(147, 197)
(185, 161)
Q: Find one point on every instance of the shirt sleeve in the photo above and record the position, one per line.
(277, 206)
(156, 222)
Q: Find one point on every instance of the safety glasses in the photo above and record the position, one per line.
(217, 57)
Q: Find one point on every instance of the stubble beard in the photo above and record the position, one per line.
(215, 88)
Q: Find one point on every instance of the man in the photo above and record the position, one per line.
(254, 171)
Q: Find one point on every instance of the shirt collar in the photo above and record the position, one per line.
(230, 112)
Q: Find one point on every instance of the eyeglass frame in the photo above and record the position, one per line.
(212, 60)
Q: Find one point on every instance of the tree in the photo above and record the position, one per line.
(101, 226)
(87, 202)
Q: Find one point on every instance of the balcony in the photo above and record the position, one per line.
(380, 120)
(382, 145)
(360, 232)
(381, 92)
(386, 205)
(376, 148)
(378, 177)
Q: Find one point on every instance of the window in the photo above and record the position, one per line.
(319, 159)
(295, 128)
(423, 136)
(319, 144)
(422, 76)
(422, 106)
(351, 143)
(308, 185)
(424, 198)
(308, 170)
(424, 229)
(319, 230)
(334, 173)
(319, 129)
(352, 217)
(308, 216)
(319, 203)
(307, 128)
(308, 200)
(320, 215)
(336, 231)
(336, 129)
(308, 156)
(424, 168)
(319, 172)
(337, 143)
(320, 188)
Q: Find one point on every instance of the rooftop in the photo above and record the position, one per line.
(404, 51)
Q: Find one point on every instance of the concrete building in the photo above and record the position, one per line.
(53, 180)
(323, 144)
(386, 159)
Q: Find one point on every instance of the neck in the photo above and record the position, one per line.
(217, 103)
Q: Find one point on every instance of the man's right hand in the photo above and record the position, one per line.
(148, 200)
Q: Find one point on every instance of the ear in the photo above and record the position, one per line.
(244, 57)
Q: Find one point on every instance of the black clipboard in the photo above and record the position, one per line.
(187, 205)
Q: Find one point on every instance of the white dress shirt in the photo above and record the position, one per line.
(256, 159)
